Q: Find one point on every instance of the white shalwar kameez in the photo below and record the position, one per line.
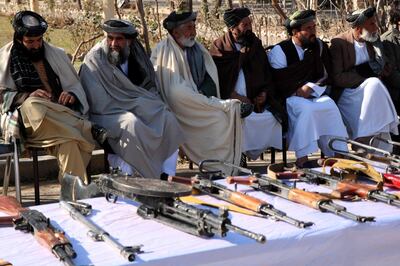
(260, 130)
(368, 109)
(312, 122)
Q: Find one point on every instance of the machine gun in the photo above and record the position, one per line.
(345, 188)
(310, 199)
(159, 202)
(78, 211)
(36, 223)
(221, 192)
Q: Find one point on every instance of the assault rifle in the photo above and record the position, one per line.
(36, 223)
(95, 232)
(159, 202)
(345, 188)
(309, 199)
(242, 200)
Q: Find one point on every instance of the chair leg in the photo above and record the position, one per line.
(284, 155)
(190, 165)
(106, 164)
(17, 178)
(7, 174)
(272, 155)
(36, 176)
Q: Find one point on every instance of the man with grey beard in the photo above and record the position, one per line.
(189, 84)
(359, 70)
(123, 96)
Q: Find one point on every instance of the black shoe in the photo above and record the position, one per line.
(246, 109)
(99, 134)
(164, 176)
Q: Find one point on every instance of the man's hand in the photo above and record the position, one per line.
(41, 94)
(304, 91)
(259, 102)
(66, 98)
(243, 99)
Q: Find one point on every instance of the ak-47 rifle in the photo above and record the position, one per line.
(95, 232)
(237, 198)
(159, 201)
(345, 188)
(310, 199)
(35, 222)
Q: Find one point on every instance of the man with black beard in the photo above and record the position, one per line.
(38, 80)
(245, 74)
(359, 70)
(300, 72)
(189, 84)
(123, 96)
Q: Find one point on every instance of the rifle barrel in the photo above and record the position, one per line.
(385, 197)
(98, 234)
(332, 207)
(258, 237)
(281, 216)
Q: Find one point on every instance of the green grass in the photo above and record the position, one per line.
(57, 37)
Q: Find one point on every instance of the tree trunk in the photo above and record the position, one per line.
(229, 3)
(34, 5)
(218, 4)
(108, 9)
(144, 25)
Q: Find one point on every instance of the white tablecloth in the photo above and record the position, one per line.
(331, 241)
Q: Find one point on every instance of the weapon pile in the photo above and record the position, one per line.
(161, 201)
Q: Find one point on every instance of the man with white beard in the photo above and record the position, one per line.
(123, 95)
(189, 84)
(359, 71)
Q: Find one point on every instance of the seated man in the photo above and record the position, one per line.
(244, 74)
(39, 80)
(123, 95)
(357, 70)
(189, 84)
(300, 66)
(391, 45)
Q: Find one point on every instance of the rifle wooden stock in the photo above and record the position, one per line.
(349, 188)
(306, 198)
(378, 158)
(288, 175)
(10, 205)
(7, 220)
(246, 201)
(241, 180)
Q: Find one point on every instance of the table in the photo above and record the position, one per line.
(331, 241)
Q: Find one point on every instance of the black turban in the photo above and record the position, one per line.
(176, 18)
(358, 17)
(120, 26)
(232, 17)
(299, 18)
(28, 23)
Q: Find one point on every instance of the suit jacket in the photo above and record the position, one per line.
(343, 62)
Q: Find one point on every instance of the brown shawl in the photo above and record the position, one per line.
(253, 61)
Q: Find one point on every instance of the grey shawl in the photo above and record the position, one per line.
(143, 130)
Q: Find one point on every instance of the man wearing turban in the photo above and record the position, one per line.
(39, 81)
(244, 74)
(190, 86)
(300, 71)
(124, 97)
(358, 71)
